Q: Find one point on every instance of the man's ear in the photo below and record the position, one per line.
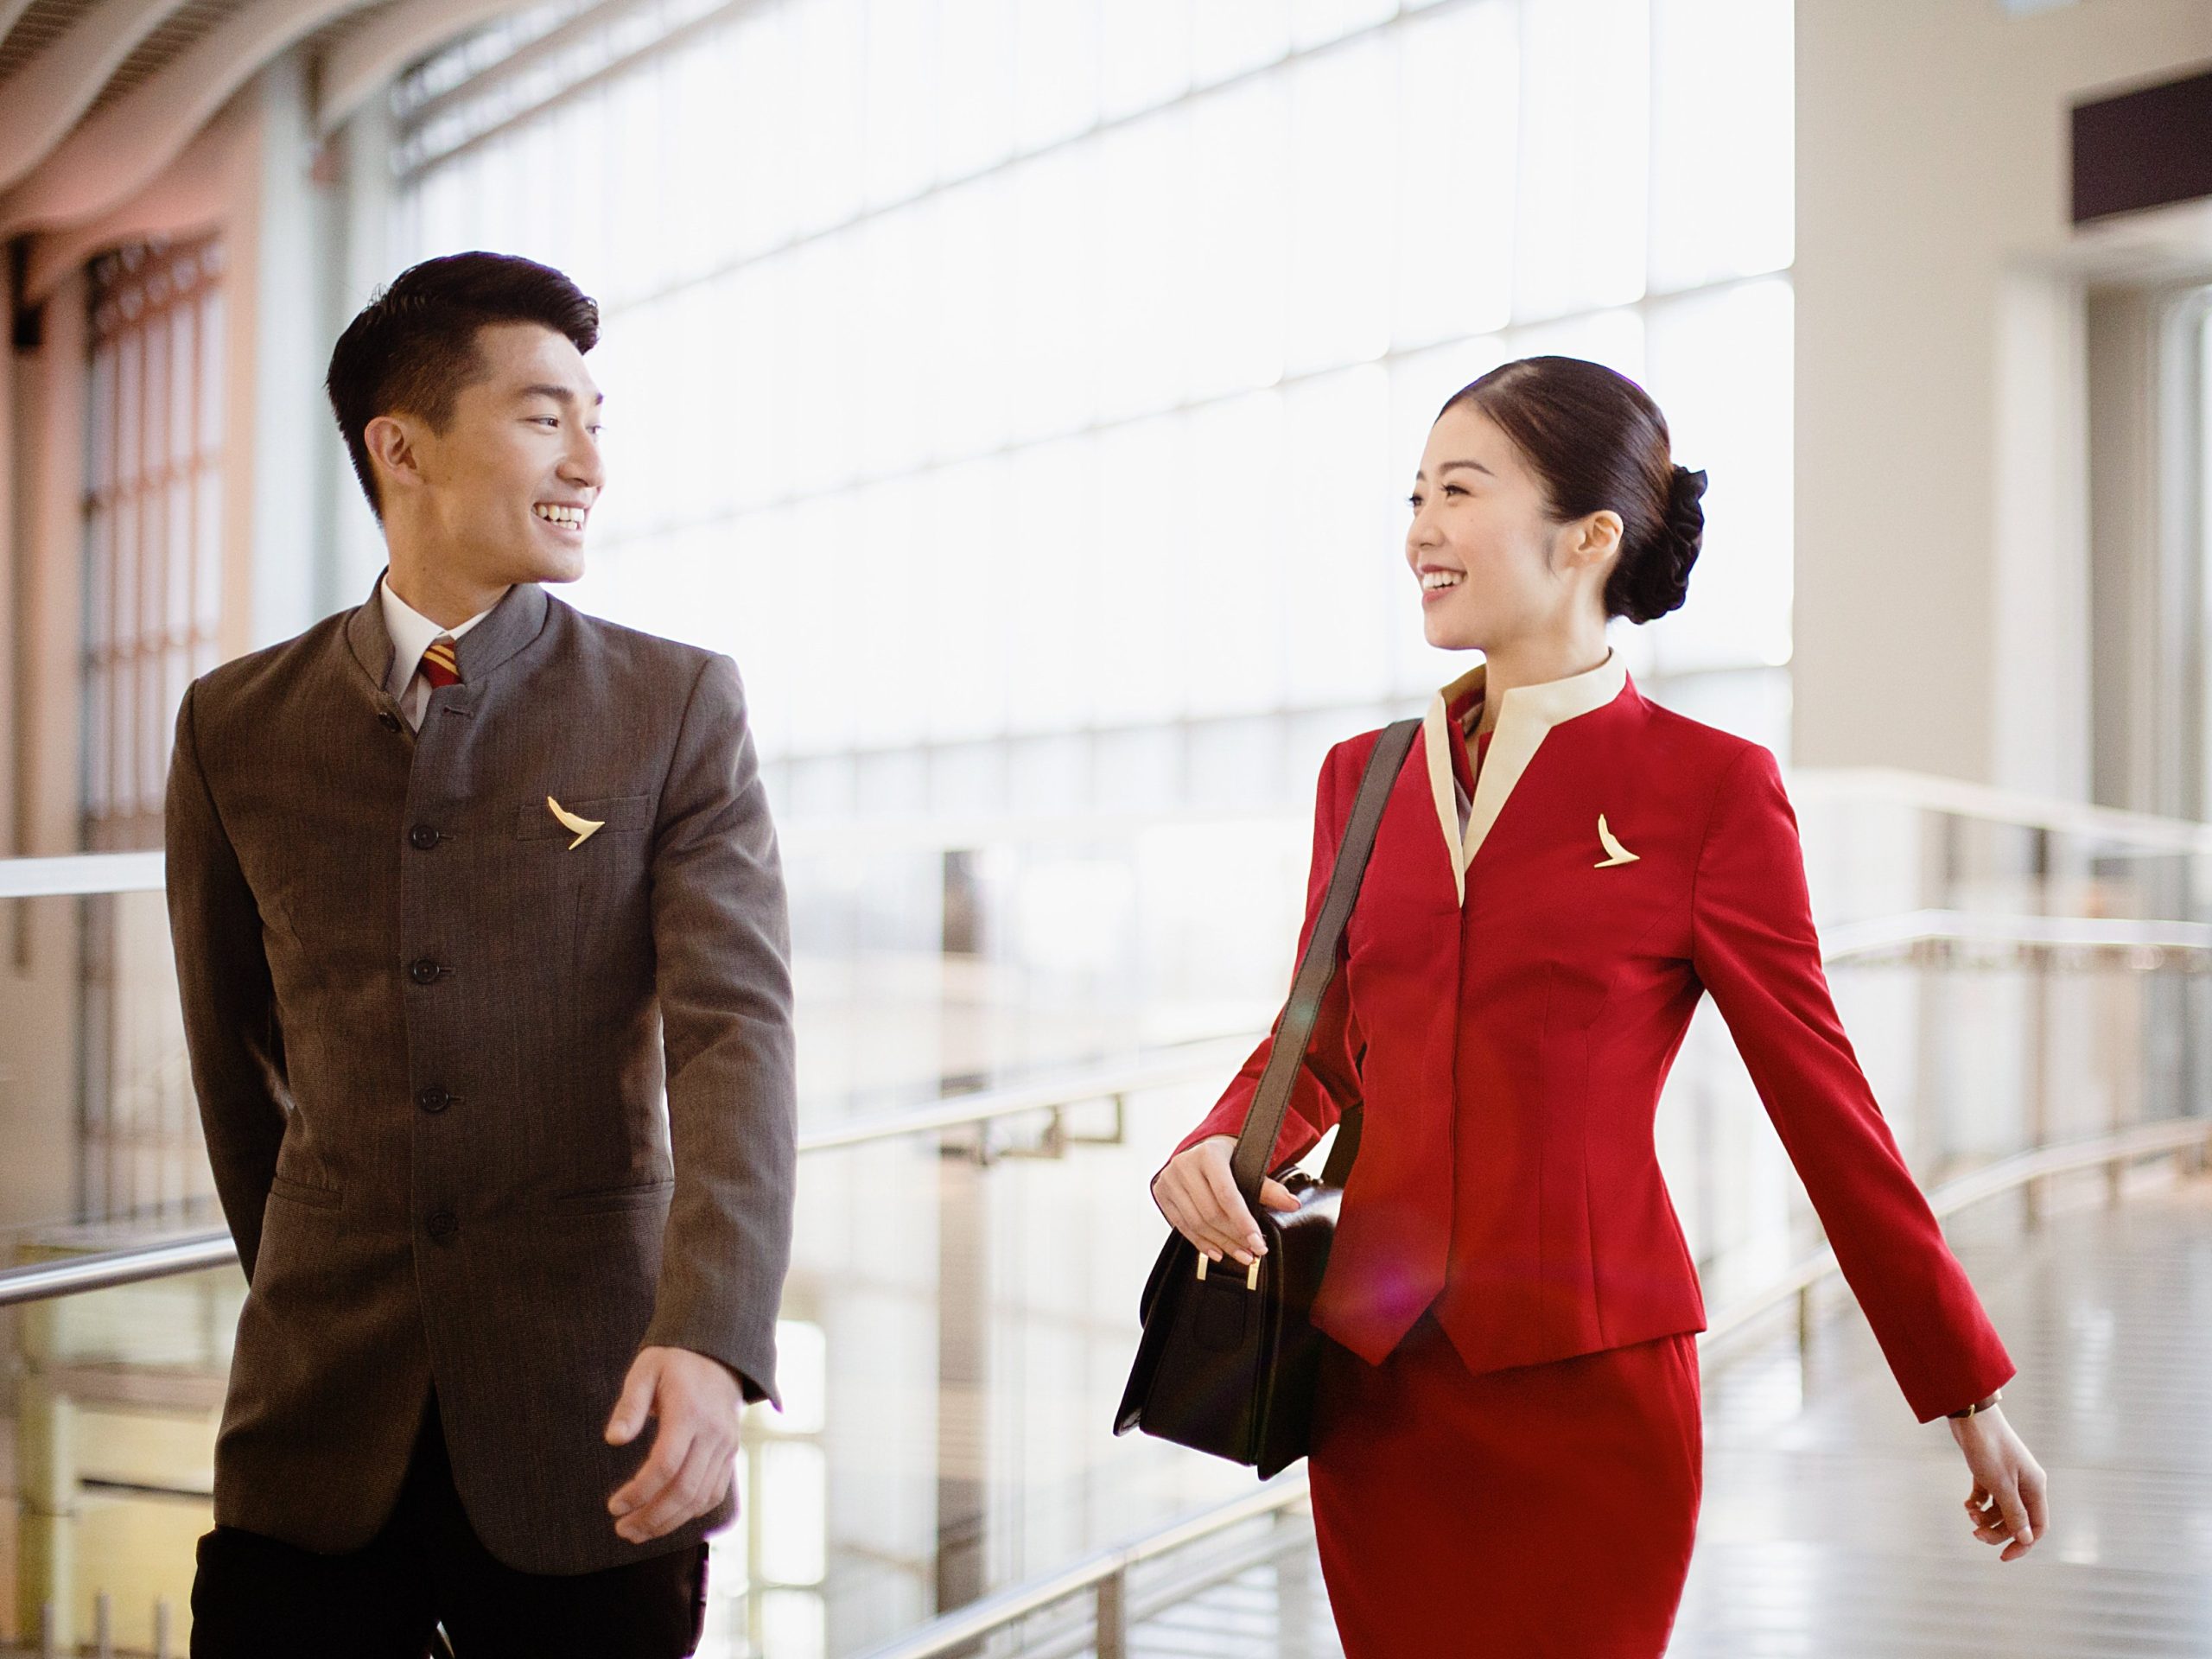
(392, 454)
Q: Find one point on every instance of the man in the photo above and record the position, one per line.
(453, 877)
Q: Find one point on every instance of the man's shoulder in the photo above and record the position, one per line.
(623, 650)
(272, 672)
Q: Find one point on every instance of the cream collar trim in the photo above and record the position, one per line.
(1526, 717)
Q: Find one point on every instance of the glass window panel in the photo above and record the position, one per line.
(100, 397)
(212, 373)
(1231, 286)
(1143, 175)
(1054, 300)
(748, 354)
(129, 407)
(894, 324)
(1144, 53)
(901, 69)
(821, 374)
(183, 346)
(1344, 115)
(1233, 589)
(1585, 150)
(1314, 23)
(1343, 545)
(1724, 120)
(793, 1489)
(1720, 366)
(971, 368)
(830, 82)
(882, 583)
(176, 595)
(1055, 70)
(1228, 38)
(207, 589)
(761, 182)
(1134, 590)
(975, 87)
(963, 553)
(1459, 101)
(1056, 657)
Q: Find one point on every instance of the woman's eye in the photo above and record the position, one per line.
(1455, 489)
(1414, 501)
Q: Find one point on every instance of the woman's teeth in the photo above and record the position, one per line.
(569, 517)
(1441, 579)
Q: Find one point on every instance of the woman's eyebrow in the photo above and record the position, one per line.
(1447, 466)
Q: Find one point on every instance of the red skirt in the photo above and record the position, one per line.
(1542, 1510)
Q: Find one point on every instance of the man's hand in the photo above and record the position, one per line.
(696, 1400)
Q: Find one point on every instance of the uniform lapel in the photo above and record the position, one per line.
(1527, 718)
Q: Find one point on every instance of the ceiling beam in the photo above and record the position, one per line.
(365, 62)
(116, 152)
(46, 96)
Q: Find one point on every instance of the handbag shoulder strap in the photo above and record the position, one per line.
(1263, 1118)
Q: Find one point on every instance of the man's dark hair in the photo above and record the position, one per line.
(413, 347)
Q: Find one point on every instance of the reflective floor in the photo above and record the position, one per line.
(1832, 1525)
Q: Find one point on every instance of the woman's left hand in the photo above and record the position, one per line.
(2007, 1505)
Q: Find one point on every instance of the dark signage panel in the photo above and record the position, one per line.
(2143, 148)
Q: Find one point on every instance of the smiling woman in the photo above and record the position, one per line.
(1511, 1299)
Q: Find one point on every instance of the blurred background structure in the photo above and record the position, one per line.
(1024, 392)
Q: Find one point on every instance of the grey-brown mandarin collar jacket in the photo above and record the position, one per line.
(430, 1018)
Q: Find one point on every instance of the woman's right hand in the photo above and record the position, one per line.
(1198, 1195)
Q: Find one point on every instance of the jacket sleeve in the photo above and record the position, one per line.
(722, 942)
(1329, 1081)
(231, 1034)
(1753, 945)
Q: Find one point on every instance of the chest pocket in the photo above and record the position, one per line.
(615, 815)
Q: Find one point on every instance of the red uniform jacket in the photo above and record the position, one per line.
(1510, 1003)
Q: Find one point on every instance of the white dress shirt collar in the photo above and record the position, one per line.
(411, 632)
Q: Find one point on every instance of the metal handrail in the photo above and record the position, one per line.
(1105, 1574)
(1845, 942)
(90, 874)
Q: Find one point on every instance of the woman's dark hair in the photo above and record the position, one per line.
(1595, 440)
(413, 347)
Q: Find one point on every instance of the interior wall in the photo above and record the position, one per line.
(1942, 411)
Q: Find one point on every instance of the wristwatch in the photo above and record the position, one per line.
(1979, 1405)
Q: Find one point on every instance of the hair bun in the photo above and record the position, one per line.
(1659, 579)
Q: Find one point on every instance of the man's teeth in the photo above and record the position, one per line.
(572, 517)
(1441, 579)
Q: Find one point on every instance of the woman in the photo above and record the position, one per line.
(1507, 1447)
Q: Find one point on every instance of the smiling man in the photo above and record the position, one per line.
(482, 941)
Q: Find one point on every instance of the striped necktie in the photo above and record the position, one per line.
(439, 665)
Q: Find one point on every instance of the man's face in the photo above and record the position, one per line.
(503, 494)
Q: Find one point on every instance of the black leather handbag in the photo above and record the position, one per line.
(1229, 1357)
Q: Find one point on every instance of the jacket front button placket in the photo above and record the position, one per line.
(443, 1224)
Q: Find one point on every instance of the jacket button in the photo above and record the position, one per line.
(388, 721)
(433, 1100)
(422, 970)
(423, 837)
(444, 1224)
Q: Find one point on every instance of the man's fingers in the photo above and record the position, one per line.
(694, 1490)
(636, 1403)
(662, 1464)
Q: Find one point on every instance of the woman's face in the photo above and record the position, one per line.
(1491, 567)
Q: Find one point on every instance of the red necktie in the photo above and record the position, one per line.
(439, 665)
